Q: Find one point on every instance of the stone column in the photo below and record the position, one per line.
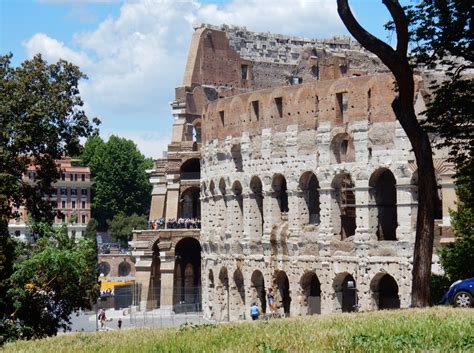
(167, 279)
(406, 211)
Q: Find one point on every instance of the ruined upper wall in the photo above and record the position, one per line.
(234, 58)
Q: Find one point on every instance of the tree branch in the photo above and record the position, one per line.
(401, 25)
(368, 41)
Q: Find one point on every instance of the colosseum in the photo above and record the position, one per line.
(289, 153)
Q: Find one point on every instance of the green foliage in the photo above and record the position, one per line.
(41, 119)
(120, 181)
(457, 259)
(442, 33)
(439, 285)
(439, 329)
(121, 226)
(59, 276)
(91, 230)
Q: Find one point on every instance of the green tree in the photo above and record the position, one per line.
(121, 226)
(120, 180)
(41, 120)
(443, 34)
(59, 276)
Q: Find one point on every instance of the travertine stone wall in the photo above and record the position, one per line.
(299, 143)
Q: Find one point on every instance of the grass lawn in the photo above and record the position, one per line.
(420, 330)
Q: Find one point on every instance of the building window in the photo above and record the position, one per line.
(71, 177)
(341, 107)
(244, 69)
(63, 204)
(83, 205)
(279, 106)
(83, 192)
(221, 115)
(83, 218)
(73, 192)
(296, 80)
(63, 192)
(63, 176)
(73, 204)
(254, 110)
(83, 177)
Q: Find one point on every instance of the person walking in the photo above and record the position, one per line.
(119, 323)
(254, 312)
(271, 300)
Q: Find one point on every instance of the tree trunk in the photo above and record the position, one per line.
(397, 62)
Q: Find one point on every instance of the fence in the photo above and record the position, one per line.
(165, 307)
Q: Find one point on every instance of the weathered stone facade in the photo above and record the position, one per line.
(307, 181)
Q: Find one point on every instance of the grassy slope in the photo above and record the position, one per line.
(434, 330)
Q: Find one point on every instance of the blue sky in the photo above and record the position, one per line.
(134, 52)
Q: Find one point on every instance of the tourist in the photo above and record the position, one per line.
(119, 323)
(254, 312)
(271, 300)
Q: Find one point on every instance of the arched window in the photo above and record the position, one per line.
(383, 194)
(124, 269)
(256, 208)
(190, 205)
(342, 149)
(344, 209)
(309, 186)
(191, 169)
(280, 192)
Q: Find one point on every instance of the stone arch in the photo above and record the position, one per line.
(190, 203)
(255, 213)
(345, 290)
(154, 288)
(439, 196)
(222, 295)
(384, 291)
(210, 278)
(311, 290)
(383, 208)
(343, 205)
(124, 269)
(197, 131)
(187, 278)
(104, 268)
(237, 209)
(190, 169)
(309, 186)
(280, 192)
(342, 148)
(238, 294)
(282, 291)
(259, 293)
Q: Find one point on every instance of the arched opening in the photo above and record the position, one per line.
(237, 157)
(255, 213)
(238, 294)
(344, 210)
(282, 289)
(311, 288)
(197, 132)
(187, 277)
(438, 212)
(259, 292)
(280, 192)
(124, 269)
(237, 210)
(309, 186)
(385, 291)
(346, 292)
(223, 295)
(342, 149)
(154, 289)
(104, 268)
(383, 193)
(191, 169)
(190, 204)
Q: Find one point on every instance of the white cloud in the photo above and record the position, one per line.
(52, 50)
(135, 60)
(75, 2)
